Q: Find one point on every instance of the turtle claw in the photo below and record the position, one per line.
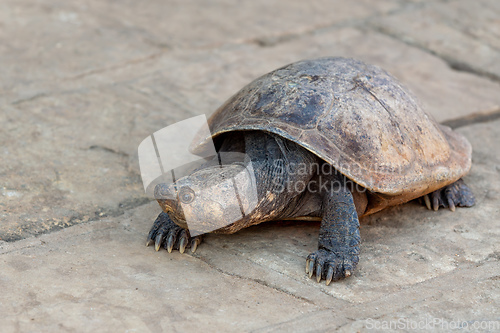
(169, 235)
(451, 196)
(329, 275)
(194, 245)
(427, 202)
(183, 241)
(318, 272)
(311, 267)
(170, 243)
(435, 200)
(451, 204)
(158, 240)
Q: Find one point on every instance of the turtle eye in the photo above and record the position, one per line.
(186, 195)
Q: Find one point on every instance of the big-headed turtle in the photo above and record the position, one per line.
(330, 139)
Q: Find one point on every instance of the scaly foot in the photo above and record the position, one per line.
(165, 232)
(451, 196)
(330, 266)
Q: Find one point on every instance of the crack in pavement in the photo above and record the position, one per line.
(453, 63)
(125, 83)
(274, 40)
(473, 118)
(28, 99)
(115, 67)
(389, 304)
(108, 150)
(286, 276)
(80, 218)
(259, 281)
(43, 243)
(276, 326)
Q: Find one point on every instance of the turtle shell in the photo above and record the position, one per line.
(358, 118)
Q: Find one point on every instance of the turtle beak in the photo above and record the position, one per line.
(165, 194)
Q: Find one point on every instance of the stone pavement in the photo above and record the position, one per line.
(83, 82)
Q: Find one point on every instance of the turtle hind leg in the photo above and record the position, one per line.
(454, 195)
(165, 232)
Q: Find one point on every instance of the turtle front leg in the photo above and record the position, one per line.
(165, 232)
(451, 196)
(339, 238)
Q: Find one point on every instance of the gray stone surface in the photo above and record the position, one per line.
(82, 83)
(465, 33)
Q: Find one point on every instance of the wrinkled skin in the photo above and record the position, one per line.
(278, 166)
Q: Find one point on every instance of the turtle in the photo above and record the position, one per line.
(330, 139)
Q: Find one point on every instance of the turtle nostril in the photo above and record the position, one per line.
(164, 191)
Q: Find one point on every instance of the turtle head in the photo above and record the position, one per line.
(209, 199)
